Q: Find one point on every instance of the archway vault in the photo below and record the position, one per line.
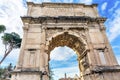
(66, 39)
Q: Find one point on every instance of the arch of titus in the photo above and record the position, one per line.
(78, 26)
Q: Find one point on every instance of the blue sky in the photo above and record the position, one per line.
(11, 10)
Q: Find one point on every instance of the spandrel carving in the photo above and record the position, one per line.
(84, 62)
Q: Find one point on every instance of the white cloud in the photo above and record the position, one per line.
(86, 1)
(62, 1)
(70, 71)
(10, 11)
(116, 4)
(29, 0)
(114, 26)
(68, 1)
(118, 59)
(104, 5)
(116, 47)
(117, 56)
(61, 53)
(39, 1)
(47, 1)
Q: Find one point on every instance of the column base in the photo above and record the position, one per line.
(103, 73)
(28, 75)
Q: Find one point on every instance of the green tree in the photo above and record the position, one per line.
(2, 28)
(5, 72)
(2, 71)
(11, 41)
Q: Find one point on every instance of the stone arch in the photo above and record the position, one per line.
(67, 39)
(72, 41)
(80, 36)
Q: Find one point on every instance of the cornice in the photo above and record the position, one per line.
(58, 4)
(98, 69)
(101, 19)
(32, 20)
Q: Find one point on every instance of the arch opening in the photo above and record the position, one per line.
(64, 63)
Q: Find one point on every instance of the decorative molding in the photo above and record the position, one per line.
(45, 20)
(56, 4)
(98, 69)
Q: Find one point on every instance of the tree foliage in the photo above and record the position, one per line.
(6, 72)
(2, 71)
(11, 41)
(2, 28)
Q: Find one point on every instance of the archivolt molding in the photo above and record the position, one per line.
(52, 33)
(66, 39)
(79, 34)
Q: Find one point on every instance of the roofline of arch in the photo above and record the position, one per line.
(56, 3)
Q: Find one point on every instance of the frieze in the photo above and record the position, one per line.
(83, 19)
(51, 32)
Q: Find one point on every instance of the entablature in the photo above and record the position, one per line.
(68, 19)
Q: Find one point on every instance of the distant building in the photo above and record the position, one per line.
(66, 79)
(76, 77)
